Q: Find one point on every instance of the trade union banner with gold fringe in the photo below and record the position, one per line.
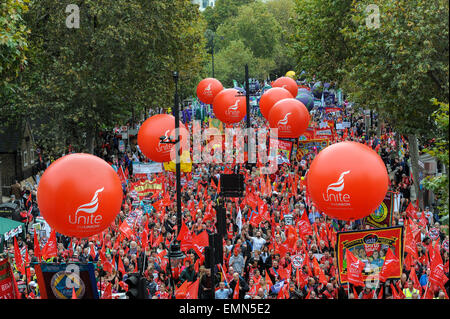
(382, 216)
(369, 246)
(57, 281)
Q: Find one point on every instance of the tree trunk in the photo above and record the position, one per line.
(414, 157)
(380, 124)
(90, 141)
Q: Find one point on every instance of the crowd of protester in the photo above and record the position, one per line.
(250, 255)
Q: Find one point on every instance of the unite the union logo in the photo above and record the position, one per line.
(207, 90)
(233, 110)
(337, 188)
(89, 209)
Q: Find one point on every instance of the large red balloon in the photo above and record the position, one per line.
(270, 97)
(347, 180)
(79, 195)
(229, 106)
(291, 118)
(150, 133)
(207, 90)
(288, 84)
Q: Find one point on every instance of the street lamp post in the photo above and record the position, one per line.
(174, 252)
(177, 151)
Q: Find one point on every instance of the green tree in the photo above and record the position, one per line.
(319, 44)
(116, 65)
(284, 54)
(13, 54)
(230, 63)
(222, 10)
(397, 67)
(439, 150)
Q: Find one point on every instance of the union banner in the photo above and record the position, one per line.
(145, 187)
(369, 246)
(382, 216)
(58, 281)
(310, 146)
(7, 290)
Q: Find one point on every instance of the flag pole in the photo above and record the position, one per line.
(426, 289)
(348, 289)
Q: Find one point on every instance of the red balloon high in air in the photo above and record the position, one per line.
(79, 195)
(288, 84)
(347, 180)
(291, 118)
(229, 106)
(207, 90)
(270, 97)
(151, 132)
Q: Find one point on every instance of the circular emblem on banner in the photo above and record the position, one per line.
(433, 233)
(62, 283)
(445, 245)
(381, 213)
(297, 261)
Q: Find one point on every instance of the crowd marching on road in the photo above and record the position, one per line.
(256, 264)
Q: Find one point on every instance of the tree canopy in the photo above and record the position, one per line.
(117, 64)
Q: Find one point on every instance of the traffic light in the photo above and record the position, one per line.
(137, 287)
(216, 245)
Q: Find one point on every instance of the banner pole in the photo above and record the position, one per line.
(348, 290)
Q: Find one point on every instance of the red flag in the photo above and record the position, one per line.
(355, 294)
(107, 294)
(380, 293)
(158, 240)
(125, 228)
(121, 267)
(18, 258)
(180, 293)
(423, 221)
(394, 292)
(410, 243)
(236, 291)
(50, 249)
(92, 251)
(282, 249)
(354, 269)
(305, 226)
(255, 218)
(411, 211)
(282, 292)
(268, 280)
(37, 248)
(291, 237)
(185, 237)
(318, 272)
(74, 294)
(192, 290)
(199, 242)
(121, 174)
(415, 280)
(437, 276)
(391, 266)
(144, 237)
(309, 294)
